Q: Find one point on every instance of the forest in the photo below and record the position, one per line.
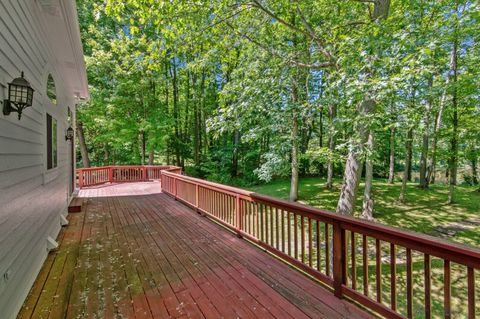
(249, 92)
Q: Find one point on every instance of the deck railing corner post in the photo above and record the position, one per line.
(339, 259)
(110, 174)
(238, 212)
(80, 178)
(175, 188)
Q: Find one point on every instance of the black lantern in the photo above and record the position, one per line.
(69, 135)
(20, 96)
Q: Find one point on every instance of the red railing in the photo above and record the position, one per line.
(117, 174)
(385, 269)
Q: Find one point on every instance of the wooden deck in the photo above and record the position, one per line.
(134, 252)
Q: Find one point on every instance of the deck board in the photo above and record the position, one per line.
(134, 252)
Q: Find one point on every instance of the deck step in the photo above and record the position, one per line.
(75, 205)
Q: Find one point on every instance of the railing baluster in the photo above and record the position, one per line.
(378, 247)
(409, 284)
(257, 220)
(354, 264)
(266, 222)
(428, 303)
(277, 232)
(327, 250)
(365, 264)
(238, 211)
(289, 230)
(283, 230)
(302, 237)
(471, 292)
(295, 236)
(447, 290)
(318, 246)
(393, 277)
(310, 259)
(271, 227)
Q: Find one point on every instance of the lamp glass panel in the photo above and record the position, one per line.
(30, 97)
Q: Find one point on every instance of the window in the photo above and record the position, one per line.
(51, 90)
(52, 157)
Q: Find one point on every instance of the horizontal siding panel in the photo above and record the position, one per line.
(15, 128)
(19, 175)
(20, 161)
(10, 146)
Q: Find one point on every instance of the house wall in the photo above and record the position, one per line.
(32, 198)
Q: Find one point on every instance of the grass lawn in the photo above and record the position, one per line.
(425, 211)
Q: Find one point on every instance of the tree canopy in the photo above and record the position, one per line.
(250, 91)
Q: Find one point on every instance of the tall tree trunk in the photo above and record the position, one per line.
(391, 170)
(408, 149)
(438, 123)
(473, 164)
(368, 194)
(353, 166)
(83, 145)
(176, 144)
(294, 139)
(151, 157)
(410, 155)
(332, 113)
(453, 165)
(426, 138)
(142, 142)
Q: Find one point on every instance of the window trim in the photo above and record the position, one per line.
(52, 142)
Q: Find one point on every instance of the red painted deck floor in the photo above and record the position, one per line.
(134, 252)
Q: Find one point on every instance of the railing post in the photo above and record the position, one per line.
(80, 178)
(175, 188)
(161, 182)
(144, 173)
(110, 174)
(238, 211)
(339, 259)
(196, 199)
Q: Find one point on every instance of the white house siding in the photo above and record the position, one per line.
(32, 198)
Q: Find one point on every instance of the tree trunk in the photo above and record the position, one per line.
(151, 157)
(425, 139)
(410, 155)
(368, 194)
(353, 166)
(438, 123)
(294, 139)
(176, 143)
(332, 113)
(83, 145)
(408, 146)
(454, 140)
(391, 170)
(473, 164)
(141, 139)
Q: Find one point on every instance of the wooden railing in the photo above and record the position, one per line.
(117, 174)
(385, 269)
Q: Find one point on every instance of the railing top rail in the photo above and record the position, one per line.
(167, 167)
(434, 246)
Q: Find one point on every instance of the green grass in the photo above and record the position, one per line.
(425, 211)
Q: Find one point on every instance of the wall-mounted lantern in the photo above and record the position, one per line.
(20, 96)
(69, 134)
